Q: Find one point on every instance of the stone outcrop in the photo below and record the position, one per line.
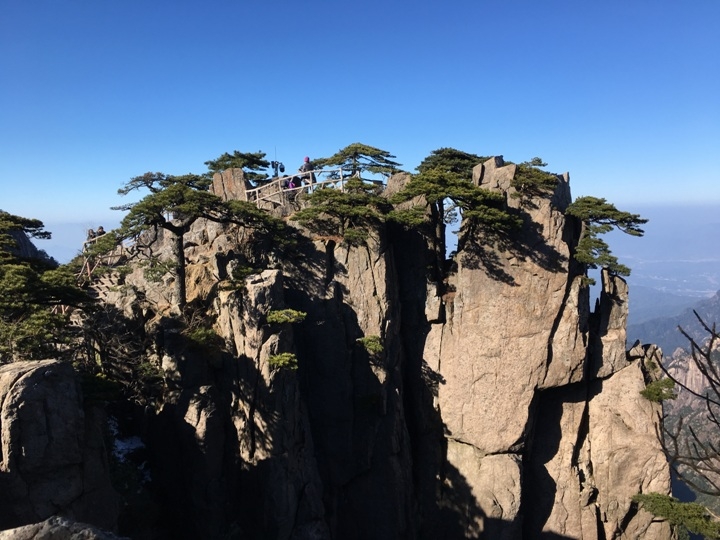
(57, 528)
(531, 386)
(53, 459)
(500, 406)
(230, 185)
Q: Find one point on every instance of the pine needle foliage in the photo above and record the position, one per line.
(250, 162)
(283, 316)
(358, 158)
(658, 391)
(102, 245)
(176, 202)
(531, 181)
(372, 344)
(284, 360)
(600, 217)
(350, 212)
(694, 517)
(31, 293)
(11, 225)
(451, 160)
(482, 208)
(203, 338)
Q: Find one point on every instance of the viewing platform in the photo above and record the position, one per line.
(231, 184)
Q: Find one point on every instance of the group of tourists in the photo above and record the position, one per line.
(93, 235)
(307, 176)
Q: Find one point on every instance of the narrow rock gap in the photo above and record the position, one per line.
(329, 262)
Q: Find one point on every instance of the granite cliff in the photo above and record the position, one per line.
(499, 407)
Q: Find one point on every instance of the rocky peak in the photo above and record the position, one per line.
(498, 406)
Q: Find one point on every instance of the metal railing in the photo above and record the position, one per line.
(275, 191)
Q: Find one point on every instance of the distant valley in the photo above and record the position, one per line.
(675, 268)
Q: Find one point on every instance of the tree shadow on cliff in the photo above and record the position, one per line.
(192, 442)
(352, 393)
(539, 488)
(222, 454)
(496, 252)
(198, 476)
(459, 515)
(304, 270)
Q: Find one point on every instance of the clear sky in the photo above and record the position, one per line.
(623, 94)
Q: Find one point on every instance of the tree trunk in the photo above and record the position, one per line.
(179, 253)
(437, 212)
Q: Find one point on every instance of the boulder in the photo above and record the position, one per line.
(53, 456)
(230, 184)
(57, 528)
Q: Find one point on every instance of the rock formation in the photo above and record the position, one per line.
(500, 407)
(57, 528)
(53, 459)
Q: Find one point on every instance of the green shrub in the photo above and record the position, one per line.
(284, 360)
(203, 338)
(372, 344)
(692, 516)
(237, 278)
(239, 273)
(282, 316)
(658, 391)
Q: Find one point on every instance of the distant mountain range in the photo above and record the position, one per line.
(663, 331)
(675, 268)
(647, 303)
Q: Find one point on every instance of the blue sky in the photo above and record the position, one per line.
(624, 95)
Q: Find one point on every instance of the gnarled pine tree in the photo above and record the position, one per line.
(31, 291)
(175, 203)
(358, 158)
(599, 217)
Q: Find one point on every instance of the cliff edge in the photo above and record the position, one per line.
(497, 406)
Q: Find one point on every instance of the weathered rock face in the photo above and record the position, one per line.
(53, 458)
(499, 407)
(532, 386)
(354, 397)
(230, 184)
(509, 302)
(57, 528)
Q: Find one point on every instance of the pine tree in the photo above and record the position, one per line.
(358, 158)
(175, 203)
(251, 163)
(350, 212)
(691, 516)
(30, 289)
(531, 181)
(600, 217)
(446, 176)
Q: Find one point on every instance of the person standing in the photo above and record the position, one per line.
(306, 168)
